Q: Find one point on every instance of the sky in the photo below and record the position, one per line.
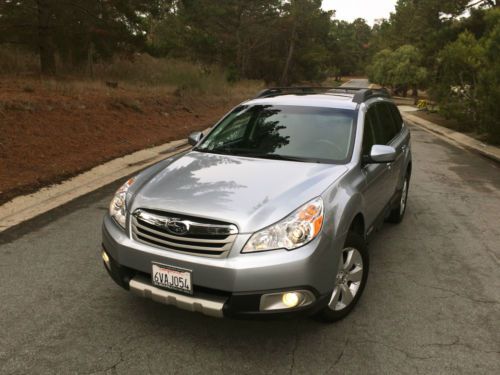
(370, 10)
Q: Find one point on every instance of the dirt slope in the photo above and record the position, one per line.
(51, 132)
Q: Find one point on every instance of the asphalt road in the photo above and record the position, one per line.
(357, 83)
(431, 305)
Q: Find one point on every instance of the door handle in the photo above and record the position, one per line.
(403, 148)
(389, 166)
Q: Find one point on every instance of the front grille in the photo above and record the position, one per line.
(183, 234)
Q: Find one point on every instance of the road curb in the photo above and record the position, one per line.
(460, 139)
(26, 207)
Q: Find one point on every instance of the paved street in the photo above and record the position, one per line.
(431, 305)
(357, 83)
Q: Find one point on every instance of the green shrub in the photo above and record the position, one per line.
(401, 68)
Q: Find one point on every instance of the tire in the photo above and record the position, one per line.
(337, 307)
(398, 212)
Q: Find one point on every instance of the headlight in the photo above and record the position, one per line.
(297, 229)
(118, 206)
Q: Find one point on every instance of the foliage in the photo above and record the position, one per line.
(489, 78)
(381, 68)
(265, 39)
(399, 69)
(274, 40)
(75, 30)
(468, 81)
(434, 44)
(456, 87)
(349, 46)
(408, 69)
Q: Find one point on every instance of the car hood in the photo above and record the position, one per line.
(249, 192)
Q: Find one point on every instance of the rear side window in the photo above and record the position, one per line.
(381, 133)
(396, 116)
(385, 128)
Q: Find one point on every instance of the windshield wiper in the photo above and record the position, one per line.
(281, 157)
(221, 151)
(240, 152)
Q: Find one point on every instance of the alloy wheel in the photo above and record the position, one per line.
(348, 279)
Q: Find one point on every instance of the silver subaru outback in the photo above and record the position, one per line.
(270, 212)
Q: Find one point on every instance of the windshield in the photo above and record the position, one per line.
(308, 134)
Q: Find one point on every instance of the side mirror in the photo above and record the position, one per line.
(381, 154)
(194, 138)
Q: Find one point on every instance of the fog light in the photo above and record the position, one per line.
(286, 300)
(105, 258)
(291, 299)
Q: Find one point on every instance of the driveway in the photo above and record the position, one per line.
(431, 305)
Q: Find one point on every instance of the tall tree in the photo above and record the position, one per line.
(45, 38)
(349, 44)
(273, 40)
(307, 27)
(71, 28)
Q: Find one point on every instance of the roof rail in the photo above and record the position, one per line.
(273, 91)
(362, 94)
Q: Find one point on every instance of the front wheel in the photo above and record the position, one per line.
(350, 279)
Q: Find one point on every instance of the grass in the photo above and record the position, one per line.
(148, 71)
(16, 61)
(140, 72)
(164, 75)
(217, 91)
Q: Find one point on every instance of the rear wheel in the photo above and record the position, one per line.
(350, 279)
(398, 212)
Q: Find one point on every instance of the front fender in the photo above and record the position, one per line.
(342, 206)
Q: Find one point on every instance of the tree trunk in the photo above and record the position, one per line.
(405, 91)
(284, 77)
(45, 43)
(414, 93)
(240, 54)
(90, 60)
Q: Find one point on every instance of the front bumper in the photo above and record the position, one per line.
(208, 302)
(232, 286)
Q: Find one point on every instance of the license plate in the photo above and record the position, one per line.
(174, 278)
